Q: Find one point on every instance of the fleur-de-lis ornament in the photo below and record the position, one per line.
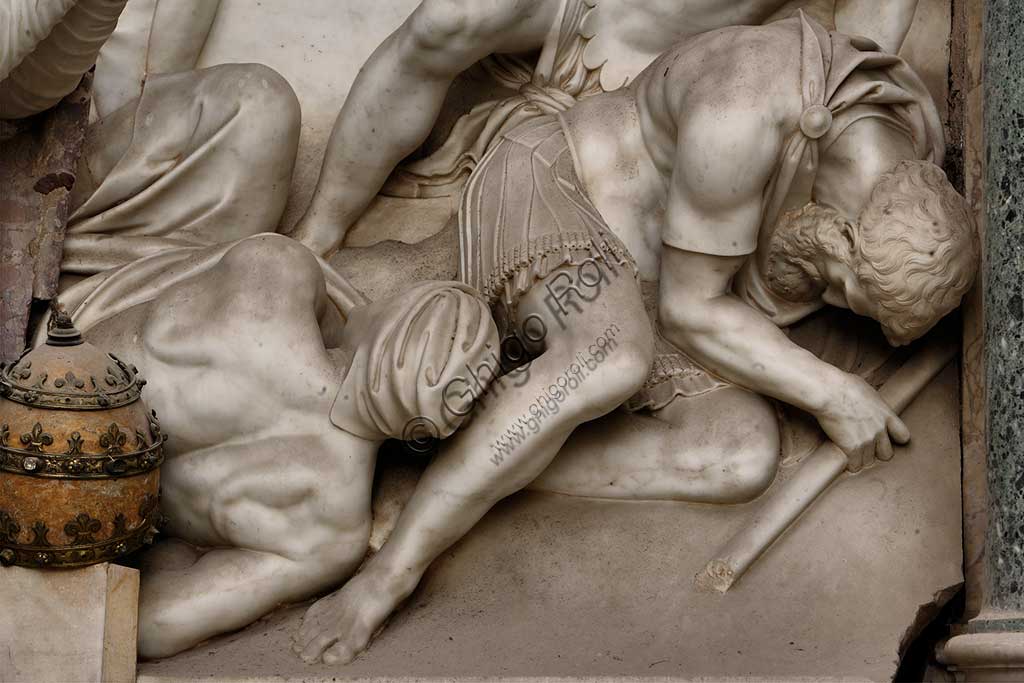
(69, 380)
(82, 528)
(113, 440)
(120, 525)
(35, 440)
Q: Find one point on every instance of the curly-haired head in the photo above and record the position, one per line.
(916, 250)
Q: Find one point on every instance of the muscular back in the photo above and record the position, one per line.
(239, 374)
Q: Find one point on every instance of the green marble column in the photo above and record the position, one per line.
(1004, 301)
(991, 647)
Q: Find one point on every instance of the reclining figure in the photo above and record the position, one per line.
(750, 175)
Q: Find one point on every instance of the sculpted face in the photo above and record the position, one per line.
(844, 290)
(892, 265)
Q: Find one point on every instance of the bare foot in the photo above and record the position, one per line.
(339, 627)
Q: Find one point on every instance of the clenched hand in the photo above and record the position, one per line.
(861, 424)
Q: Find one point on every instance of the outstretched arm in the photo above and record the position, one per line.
(720, 206)
(397, 96)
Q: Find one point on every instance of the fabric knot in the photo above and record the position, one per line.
(815, 121)
(548, 98)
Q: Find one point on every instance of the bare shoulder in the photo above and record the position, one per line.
(723, 101)
(746, 65)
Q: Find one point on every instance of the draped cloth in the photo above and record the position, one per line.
(106, 294)
(525, 214)
(845, 79)
(207, 162)
(553, 85)
(409, 361)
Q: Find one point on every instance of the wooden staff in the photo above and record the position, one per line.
(815, 474)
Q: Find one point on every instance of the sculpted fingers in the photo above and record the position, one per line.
(898, 430)
(857, 457)
(883, 447)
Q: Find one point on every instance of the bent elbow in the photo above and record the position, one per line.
(685, 323)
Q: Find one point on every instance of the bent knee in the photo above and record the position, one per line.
(276, 261)
(268, 92)
(753, 472)
(263, 96)
(754, 454)
(620, 370)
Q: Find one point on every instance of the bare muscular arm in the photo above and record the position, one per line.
(395, 100)
(723, 162)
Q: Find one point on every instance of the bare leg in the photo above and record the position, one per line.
(468, 477)
(178, 34)
(396, 99)
(224, 590)
(719, 447)
(288, 516)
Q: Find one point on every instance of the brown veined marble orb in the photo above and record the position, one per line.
(79, 455)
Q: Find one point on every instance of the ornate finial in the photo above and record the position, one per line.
(61, 331)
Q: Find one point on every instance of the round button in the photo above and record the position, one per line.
(815, 121)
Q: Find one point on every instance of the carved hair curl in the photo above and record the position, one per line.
(917, 248)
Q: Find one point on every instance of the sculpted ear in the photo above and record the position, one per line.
(851, 235)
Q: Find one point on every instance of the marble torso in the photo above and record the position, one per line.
(625, 142)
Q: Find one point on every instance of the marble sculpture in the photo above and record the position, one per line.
(666, 187)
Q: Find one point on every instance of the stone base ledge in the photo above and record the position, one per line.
(985, 656)
(69, 624)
